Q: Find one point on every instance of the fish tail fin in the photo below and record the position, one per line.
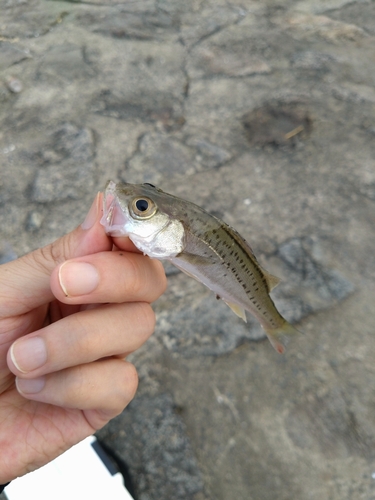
(279, 337)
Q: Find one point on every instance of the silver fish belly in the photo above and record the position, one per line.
(204, 247)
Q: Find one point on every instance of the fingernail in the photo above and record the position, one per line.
(31, 386)
(78, 278)
(28, 354)
(92, 215)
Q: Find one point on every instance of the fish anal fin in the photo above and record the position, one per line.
(238, 310)
(272, 281)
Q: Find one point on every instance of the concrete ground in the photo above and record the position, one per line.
(263, 113)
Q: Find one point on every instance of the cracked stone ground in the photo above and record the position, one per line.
(264, 114)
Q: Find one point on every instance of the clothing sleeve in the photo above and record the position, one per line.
(2, 486)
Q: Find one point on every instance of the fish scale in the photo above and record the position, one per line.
(234, 260)
(164, 226)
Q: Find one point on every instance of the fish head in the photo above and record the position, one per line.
(137, 211)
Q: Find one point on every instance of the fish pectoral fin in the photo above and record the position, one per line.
(193, 259)
(238, 310)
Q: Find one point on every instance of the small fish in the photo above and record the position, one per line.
(163, 226)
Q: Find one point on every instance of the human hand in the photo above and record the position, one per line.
(69, 314)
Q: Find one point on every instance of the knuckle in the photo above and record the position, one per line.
(131, 382)
(41, 259)
(46, 258)
(146, 317)
(145, 279)
(127, 388)
(162, 279)
(76, 387)
(54, 252)
(80, 333)
(133, 278)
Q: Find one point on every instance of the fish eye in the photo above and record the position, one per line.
(143, 208)
(141, 205)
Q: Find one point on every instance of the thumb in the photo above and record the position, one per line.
(25, 282)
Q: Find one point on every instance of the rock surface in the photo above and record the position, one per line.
(264, 114)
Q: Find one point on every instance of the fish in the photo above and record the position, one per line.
(204, 247)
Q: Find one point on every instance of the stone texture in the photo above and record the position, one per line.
(218, 61)
(157, 450)
(325, 6)
(308, 25)
(263, 113)
(159, 156)
(144, 23)
(9, 55)
(68, 168)
(6, 253)
(210, 22)
(276, 123)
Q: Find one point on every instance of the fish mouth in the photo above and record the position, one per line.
(114, 219)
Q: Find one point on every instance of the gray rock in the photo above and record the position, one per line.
(277, 124)
(362, 13)
(6, 253)
(321, 6)
(160, 156)
(66, 62)
(142, 81)
(329, 423)
(11, 54)
(211, 21)
(14, 84)
(120, 22)
(234, 52)
(208, 61)
(306, 26)
(313, 61)
(34, 221)
(354, 93)
(72, 173)
(39, 21)
(307, 272)
(109, 103)
(154, 444)
(209, 155)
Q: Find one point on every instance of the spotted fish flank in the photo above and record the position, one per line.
(204, 247)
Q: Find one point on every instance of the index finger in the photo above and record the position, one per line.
(124, 243)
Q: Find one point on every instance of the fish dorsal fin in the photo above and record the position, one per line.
(238, 310)
(272, 281)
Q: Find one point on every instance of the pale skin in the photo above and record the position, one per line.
(70, 313)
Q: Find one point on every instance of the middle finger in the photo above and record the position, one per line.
(109, 330)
